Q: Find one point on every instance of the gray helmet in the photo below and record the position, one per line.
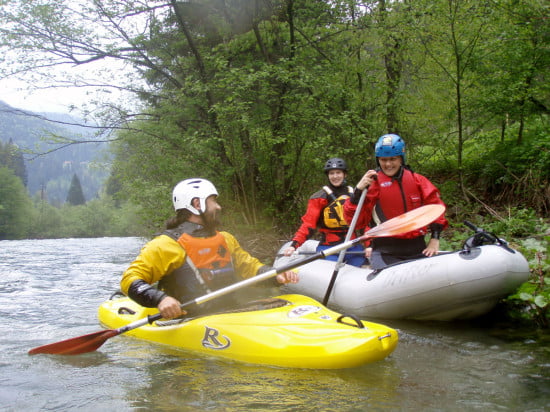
(186, 190)
(335, 163)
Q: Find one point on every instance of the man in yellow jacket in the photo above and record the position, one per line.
(191, 258)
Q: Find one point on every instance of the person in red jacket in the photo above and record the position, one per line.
(393, 189)
(325, 214)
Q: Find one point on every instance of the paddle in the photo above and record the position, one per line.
(401, 224)
(340, 261)
(349, 252)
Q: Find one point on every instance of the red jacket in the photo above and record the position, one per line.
(331, 225)
(389, 197)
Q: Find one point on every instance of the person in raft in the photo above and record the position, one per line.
(191, 257)
(325, 213)
(393, 189)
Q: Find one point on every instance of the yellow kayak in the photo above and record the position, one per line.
(289, 331)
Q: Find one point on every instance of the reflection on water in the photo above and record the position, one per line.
(207, 383)
(50, 290)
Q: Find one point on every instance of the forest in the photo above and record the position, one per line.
(257, 95)
(45, 165)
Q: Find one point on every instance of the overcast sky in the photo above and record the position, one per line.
(16, 94)
(20, 94)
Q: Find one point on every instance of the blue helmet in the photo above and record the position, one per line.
(390, 145)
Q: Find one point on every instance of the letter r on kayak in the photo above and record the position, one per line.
(211, 340)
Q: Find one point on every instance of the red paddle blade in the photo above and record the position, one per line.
(75, 346)
(415, 219)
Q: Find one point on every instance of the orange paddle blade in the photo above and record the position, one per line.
(415, 219)
(74, 346)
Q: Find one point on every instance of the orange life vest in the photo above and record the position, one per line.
(208, 266)
(210, 258)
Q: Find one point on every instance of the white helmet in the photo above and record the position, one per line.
(186, 190)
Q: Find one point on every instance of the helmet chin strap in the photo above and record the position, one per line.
(198, 213)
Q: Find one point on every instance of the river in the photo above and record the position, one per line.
(50, 291)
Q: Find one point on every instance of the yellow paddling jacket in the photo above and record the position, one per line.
(163, 257)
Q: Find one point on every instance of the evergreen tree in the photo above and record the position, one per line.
(75, 196)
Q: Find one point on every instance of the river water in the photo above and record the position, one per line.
(50, 291)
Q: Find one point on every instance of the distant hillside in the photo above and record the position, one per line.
(50, 166)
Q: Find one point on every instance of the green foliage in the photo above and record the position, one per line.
(257, 98)
(510, 160)
(508, 170)
(46, 222)
(496, 172)
(519, 223)
(97, 218)
(453, 238)
(15, 206)
(12, 157)
(514, 74)
(532, 300)
(513, 224)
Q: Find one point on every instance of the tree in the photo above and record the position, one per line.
(257, 95)
(15, 206)
(12, 157)
(519, 53)
(451, 33)
(75, 196)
